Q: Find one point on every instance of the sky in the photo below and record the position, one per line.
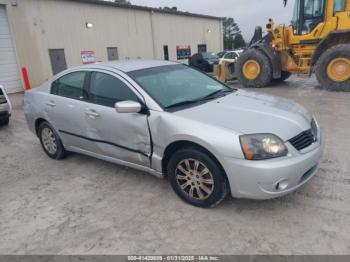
(247, 13)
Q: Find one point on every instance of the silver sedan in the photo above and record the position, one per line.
(175, 122)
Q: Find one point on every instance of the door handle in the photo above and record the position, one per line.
(92, 113)
(51, 104)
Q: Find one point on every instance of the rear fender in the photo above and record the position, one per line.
(334, 38)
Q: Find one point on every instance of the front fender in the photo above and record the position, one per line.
(167, 128)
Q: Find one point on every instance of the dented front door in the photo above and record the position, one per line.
(122, 136)
(119, 135)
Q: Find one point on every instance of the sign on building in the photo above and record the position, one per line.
(88, 57)
(183, 51)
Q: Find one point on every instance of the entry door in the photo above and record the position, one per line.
(9, 71)
(123, 136)
(58, 60)
(112, 53)
(166, 52)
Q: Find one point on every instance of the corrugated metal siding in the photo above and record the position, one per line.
(40, 25)
(9, 75)
(173, 30)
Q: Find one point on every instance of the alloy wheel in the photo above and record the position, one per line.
(194, 179)
(49, 140)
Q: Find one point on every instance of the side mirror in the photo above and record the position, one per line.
(128, 107)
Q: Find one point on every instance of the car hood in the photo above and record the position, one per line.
(250, 113)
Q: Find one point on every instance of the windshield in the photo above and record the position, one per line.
(221, 54)
(174, 84)
(307, 15)
(210, 56)
(296, 11)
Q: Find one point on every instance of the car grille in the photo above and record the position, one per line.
(306, 138)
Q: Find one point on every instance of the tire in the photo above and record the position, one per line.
(5, 122)
(203, 195)
(263, 78)
(284, 76)
(45, 132)
(323, 64)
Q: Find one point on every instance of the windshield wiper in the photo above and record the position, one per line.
(214, 94)
(183, 103)
(205, 98)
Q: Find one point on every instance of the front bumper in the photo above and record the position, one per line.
(261, 179)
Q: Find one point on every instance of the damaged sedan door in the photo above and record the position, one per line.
(114, 125)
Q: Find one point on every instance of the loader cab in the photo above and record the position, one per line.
(307, 15)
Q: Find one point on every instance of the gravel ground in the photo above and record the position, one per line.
(86, 206)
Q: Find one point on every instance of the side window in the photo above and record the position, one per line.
(313, 8)
(339, 5)
(106, 90)
(230, 55)
(70, 85)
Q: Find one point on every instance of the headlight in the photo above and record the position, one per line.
(262, 146)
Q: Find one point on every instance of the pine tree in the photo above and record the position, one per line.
(239, 42)
(233, 38)
(124, 2)
(171, 9)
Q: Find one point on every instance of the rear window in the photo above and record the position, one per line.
(339, 5)
(209, 56)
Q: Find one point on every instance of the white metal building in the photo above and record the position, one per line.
(47, 36)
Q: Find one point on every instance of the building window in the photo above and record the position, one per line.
(112, 53)
(202, 48)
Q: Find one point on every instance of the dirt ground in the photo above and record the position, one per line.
(86, 206)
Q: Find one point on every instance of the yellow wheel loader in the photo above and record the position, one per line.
(317, 41)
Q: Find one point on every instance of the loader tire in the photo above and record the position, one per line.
(333, 68)
(254, 69)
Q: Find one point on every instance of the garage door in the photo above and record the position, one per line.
(9, 73)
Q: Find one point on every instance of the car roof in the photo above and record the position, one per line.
(129, 65)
